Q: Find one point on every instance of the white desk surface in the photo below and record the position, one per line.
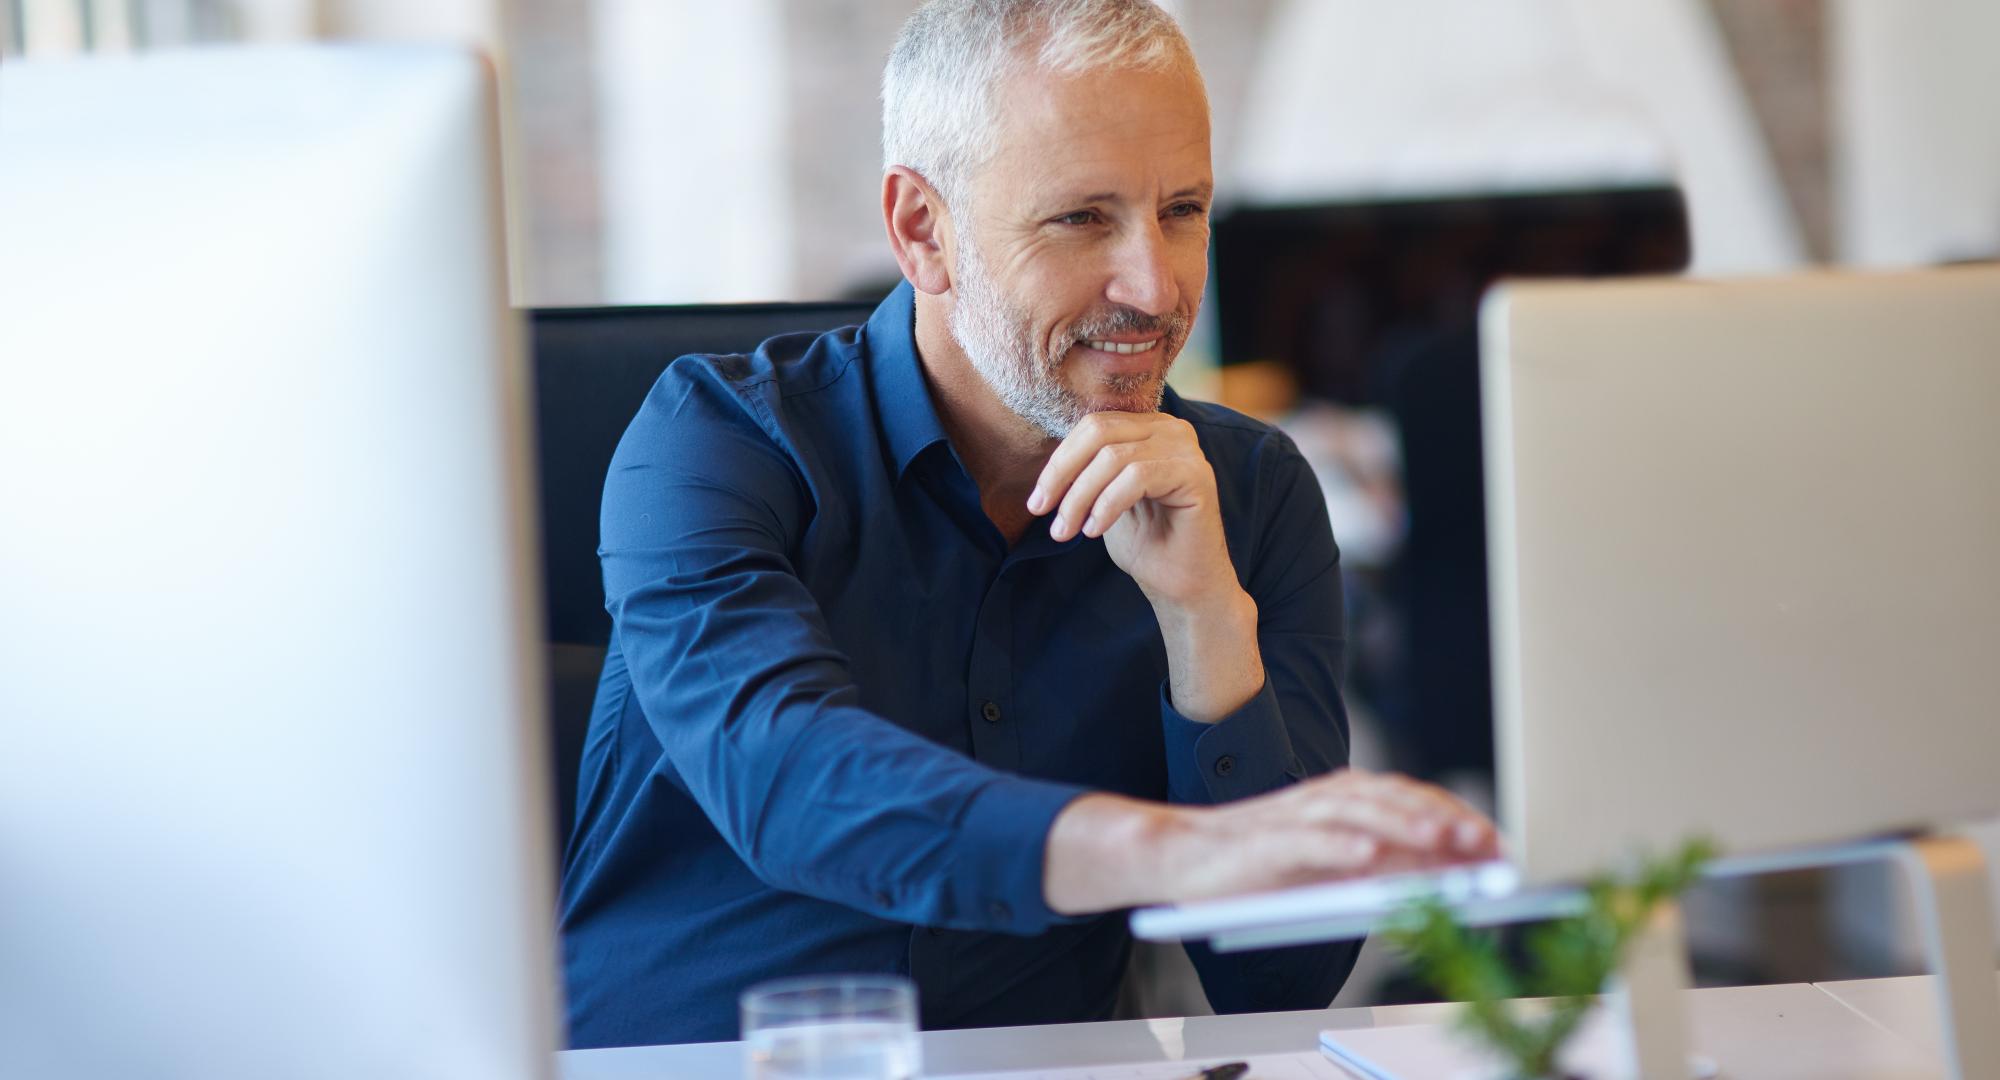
(1786, 1032)
(1906, 1007)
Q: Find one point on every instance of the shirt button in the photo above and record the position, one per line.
(991, 711)
(883, 899)
(1225, 765)
(1000, 911)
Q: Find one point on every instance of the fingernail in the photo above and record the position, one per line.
(1035, 500)
(1056, 528)
(1090, 523)
(1468, 835)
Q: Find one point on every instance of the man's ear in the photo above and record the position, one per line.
(919, 229)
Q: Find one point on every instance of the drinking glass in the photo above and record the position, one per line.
(832, 1027)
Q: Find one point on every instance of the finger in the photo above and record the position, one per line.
(1338, 853)
(1470, 831)
(1426, 801)
(1091, 434)
(1379, 819)
(1111, 460)
(1477, 839)
(1404, 861)
(1467, 831)
(1153, 479)
(1388, 788)
(1459, 827)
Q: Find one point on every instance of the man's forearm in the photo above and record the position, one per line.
(1108, 851)
(1213, 663)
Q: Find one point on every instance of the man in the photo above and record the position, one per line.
(942, 639)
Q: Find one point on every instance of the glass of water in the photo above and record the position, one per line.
(832, 1027)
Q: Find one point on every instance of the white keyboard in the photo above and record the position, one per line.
(1344, 909)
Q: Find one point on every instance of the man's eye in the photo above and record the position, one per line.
(1078, 217)
(1185, 210)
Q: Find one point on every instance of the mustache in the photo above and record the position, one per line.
(1125, 320)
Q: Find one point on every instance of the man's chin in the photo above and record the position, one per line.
(1143, 396)
(1124, 405)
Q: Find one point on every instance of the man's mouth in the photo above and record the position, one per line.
(1122, 348)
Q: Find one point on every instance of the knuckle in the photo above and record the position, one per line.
(1333, 848)
(1136, 473)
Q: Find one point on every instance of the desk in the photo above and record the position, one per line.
(1787, 1032)
(1906, 1007)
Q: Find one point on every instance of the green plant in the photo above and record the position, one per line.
(1567, 960)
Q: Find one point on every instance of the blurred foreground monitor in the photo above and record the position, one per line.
(272, 802)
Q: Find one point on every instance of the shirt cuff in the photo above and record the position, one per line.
(1248, 752)
(1001, 850)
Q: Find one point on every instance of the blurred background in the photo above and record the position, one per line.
(1379, 164)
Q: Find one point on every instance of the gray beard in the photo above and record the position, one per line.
(1023, 375)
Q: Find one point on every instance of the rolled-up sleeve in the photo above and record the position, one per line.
(1296, 724)
(756, 708)
(1245, 753)
(1295, 727)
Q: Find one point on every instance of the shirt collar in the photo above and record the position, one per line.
(902, 398)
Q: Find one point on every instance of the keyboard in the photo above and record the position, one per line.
(1484, 892)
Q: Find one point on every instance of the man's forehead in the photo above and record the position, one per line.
(1091, 136)
(1036, 99)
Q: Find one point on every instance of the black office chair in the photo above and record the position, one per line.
(593, 367)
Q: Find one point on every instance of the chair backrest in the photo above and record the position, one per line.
(593, 368)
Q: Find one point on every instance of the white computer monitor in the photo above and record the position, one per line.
(271, 782)
(1744, 552)
(1744, 541)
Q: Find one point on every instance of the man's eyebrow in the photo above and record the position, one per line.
(1097, 197)
(1196, 191)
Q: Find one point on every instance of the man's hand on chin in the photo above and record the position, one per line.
(1140, 481)
(1108, 851)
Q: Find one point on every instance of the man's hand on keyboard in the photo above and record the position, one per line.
(1344, 824)
(1107, 851)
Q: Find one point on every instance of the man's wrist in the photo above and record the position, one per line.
(1214, 665)
(1107, 852)
(1225, 608)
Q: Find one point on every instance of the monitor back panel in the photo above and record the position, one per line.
(272, 793)
(1745, 542)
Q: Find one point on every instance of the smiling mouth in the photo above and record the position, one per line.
(1123, 348)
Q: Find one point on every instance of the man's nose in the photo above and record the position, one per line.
(1142, 277)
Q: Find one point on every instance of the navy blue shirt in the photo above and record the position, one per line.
(839, 712)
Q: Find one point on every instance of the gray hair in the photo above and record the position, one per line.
(939, 86)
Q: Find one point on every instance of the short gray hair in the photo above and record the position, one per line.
(952, 56)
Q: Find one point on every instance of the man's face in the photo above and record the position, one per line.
(1082, 263)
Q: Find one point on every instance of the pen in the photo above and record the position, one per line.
(1229, 1071)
